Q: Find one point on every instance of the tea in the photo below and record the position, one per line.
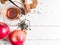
(12, 13)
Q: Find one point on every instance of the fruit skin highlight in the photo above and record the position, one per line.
(17, 37)
(4, 30)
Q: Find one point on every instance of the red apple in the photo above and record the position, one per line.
(17, 37)
(4, 30)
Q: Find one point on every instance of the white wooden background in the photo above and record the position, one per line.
(45, 26)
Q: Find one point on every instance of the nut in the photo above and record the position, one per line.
(34, 4)
(3, 1)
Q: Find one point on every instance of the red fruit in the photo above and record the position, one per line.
(4, 30)
(17, 37)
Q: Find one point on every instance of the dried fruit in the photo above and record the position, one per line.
(27, 6)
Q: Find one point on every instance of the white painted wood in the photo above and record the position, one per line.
(43, 42)
(44, 33)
